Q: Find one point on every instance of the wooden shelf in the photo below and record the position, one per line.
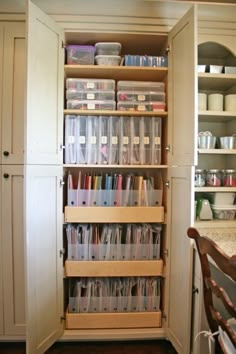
(99, 166)
(116, 72)
(113, 320)
(114, 214)
(216, 116)
(217, 151)
(215, 189)
(115, 113)
(221, 82)
(113, 268)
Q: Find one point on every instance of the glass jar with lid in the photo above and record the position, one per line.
(200, 178)
(229, 178)
(213, 178)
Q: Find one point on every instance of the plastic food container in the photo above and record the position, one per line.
(113, 60)
(145, 96)
(72, 94)
(206, 142)
(146, 86)
(91, 105)
(216, 69)
(221, 198)
(90, 84)
(80, 54)
(141, 106)
(108, 48)
(223, 212)
(227, 142)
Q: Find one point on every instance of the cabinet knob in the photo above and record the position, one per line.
(6, 175)
(6, 153)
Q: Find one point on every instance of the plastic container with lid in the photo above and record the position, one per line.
(200, 178)
(140, 96)
(141, 106)
(91, 105)
(141, 86)
(80, 54)
(90, 84)
(72, 94)
(229, 178)
(224, 212)
(108, 48)
(113, 60)
(213, 178)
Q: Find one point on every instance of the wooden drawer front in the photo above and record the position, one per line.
(114, 214)
(113, 320)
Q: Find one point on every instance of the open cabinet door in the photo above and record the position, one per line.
(44, 263)
(182, 91)
(179, 270)
(45, 82)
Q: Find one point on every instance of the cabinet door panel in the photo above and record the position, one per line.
(44, 279)
(13, 250)
(45, 59)
(13, 96)
(1, 260)
(182, 92)
(180, 217)
(1, 73)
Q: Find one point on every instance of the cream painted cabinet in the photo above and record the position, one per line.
(12, 100)
(12, 257)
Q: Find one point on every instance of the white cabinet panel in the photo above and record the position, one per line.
(13, 250)
(45, 58)
(182, 92)
(180, 217)
(43, 256)
(1, 264)
(13, 93)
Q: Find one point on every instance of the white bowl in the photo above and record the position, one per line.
(206, 142)
(227, 142)
(216, 69)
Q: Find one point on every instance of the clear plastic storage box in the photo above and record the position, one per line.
(91, 105)
(113, 60)
(224, 212)
(140, 96)
(72, 94)
(80, 54)
(108, 48)
(90, 84)
(140, 86)
(141, 106)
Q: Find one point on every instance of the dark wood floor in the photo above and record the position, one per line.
(127, 347)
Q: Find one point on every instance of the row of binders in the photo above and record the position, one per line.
(100, 242)
(114, 189)
(133, 294)
(112, 140)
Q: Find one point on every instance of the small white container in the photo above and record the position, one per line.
(113, 60)
(202, 101)
(108, 48)
(230, 69)
(215, 102)
(222, 198)
(216, 69)
(230, 103)
(201, 68)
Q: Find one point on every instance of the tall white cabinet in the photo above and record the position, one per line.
(12, 278)
(43, 160)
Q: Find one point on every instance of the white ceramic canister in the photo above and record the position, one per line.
(230, 103)
(215, 102)
(202, 101)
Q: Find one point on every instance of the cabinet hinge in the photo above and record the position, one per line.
(166, 253)
(62, 147)
(164, 316)
(167, 148)
(62, 318)
(62, 44)
(168, 50)
(61, 182)
(62, 252)
(167, 184)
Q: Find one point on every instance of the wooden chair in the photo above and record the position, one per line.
(209, 251)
